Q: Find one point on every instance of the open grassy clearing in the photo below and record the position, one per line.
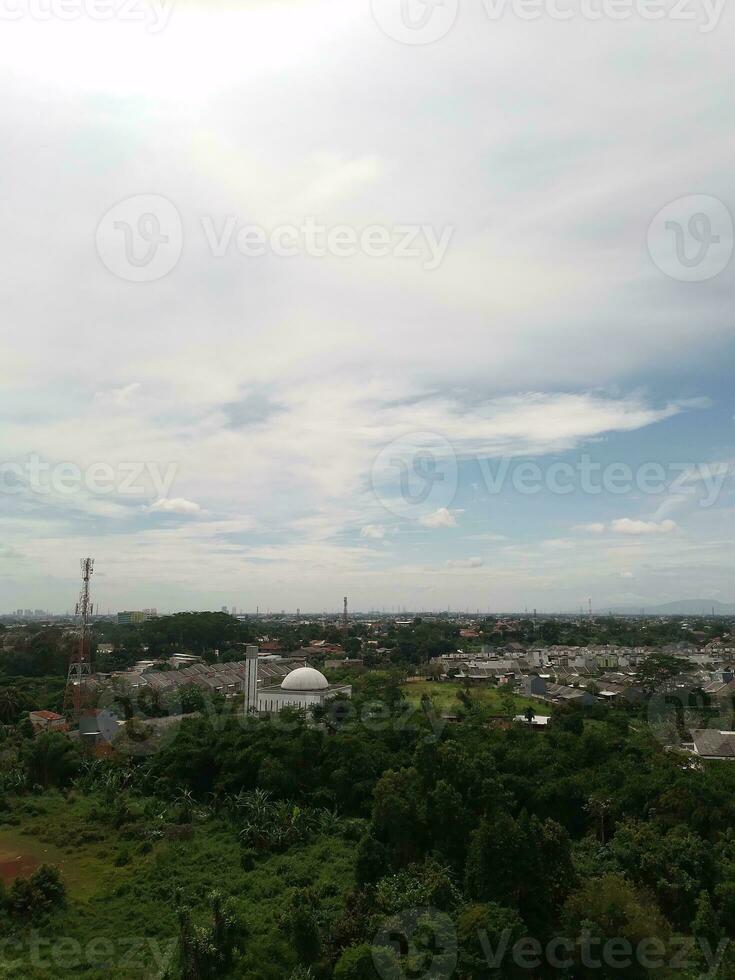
(445, 695)
(118, 905)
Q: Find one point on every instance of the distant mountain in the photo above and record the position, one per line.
(682, 607)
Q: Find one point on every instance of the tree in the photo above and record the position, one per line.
(485, 928)
(399, 814)
(208, 952)
(449, 821)
(675, 866)
(359, 963)
(599, 808)
(706, 924)
(529, 714)
(352, 646)
(427, 885)
(51, 759)
(202, 632)
(191, 699)
(495, 854)
(371, 862)
(507, 700)
(300, 920)
(658, 668)
(34, 897)
(11, 702)
(612, 908)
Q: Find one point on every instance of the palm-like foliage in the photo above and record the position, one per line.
(599, 808)
(329, 823)
(272, 825)
(12, 780)
(277, 825)
(11, 702)
(51, 759)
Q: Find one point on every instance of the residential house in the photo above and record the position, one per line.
(47, 721)
(710, 744)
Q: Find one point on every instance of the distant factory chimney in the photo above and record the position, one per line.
(251, 679)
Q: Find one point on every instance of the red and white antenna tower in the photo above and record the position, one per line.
(80, 662)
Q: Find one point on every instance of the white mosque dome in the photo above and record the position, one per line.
(304, 679)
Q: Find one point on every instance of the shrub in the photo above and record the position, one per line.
(33, 897)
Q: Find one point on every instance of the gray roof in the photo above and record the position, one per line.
(720, 689)
(217, 677)
(713, 744)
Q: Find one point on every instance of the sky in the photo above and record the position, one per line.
(428, 305)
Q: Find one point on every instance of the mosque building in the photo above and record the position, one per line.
(302, 688)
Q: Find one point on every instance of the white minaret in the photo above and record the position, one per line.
(251, 679)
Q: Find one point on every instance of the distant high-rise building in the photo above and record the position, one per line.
(132, 618)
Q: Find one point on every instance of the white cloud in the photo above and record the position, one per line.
(465, 563)
(527, 424)
(443, 517)
(545, 283)
(627, 575)
(176, 505)
(372, 531)
(625, 525)
(120, 397)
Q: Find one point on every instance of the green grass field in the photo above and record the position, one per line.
(444, 694)
(123, 917)
(50, 830)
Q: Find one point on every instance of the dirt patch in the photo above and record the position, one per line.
(16, 865)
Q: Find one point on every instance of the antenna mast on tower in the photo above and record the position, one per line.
(80, 662)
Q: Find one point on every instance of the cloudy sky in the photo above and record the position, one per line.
(297, 304)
